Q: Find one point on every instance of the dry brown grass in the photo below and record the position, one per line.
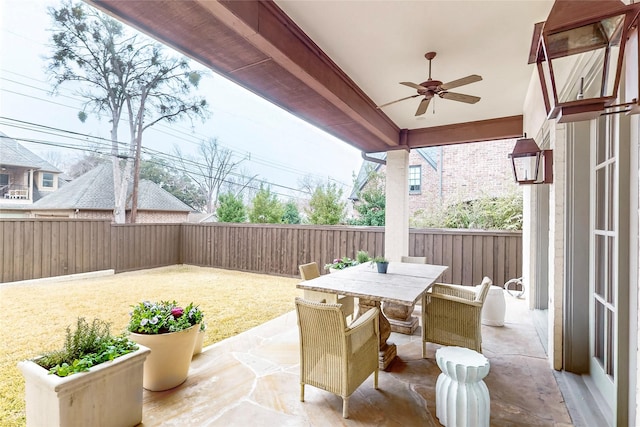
(34, 317)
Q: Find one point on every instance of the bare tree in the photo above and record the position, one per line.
(241, 185)
(55, 158)
(210, 169)
(125, 76)
(308, 184)
(85, 163)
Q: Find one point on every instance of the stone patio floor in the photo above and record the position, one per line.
(252, 379)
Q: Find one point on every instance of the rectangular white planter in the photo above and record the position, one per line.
(108, 395)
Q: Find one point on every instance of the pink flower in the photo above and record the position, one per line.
(177, 312)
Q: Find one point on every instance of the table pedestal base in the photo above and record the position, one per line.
(407, 327)
(386, 351)
(386, 355)
(400, 317)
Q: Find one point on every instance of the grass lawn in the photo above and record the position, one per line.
(35, 316)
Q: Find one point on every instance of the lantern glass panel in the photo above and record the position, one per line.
(580, 76)
(527, 167)
(595, 35)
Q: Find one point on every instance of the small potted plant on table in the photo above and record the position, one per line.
(95, 379)
(382, 264)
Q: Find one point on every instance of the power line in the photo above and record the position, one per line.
(96, 140)
(168, 130)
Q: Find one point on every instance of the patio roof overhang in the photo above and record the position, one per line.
(258, 46)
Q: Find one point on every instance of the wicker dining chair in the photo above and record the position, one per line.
(452, 315)
(311, 271)
(333, 356)
(414, 259)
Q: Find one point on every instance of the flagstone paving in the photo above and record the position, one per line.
(252, 379)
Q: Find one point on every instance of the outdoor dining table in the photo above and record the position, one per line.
(404, 284)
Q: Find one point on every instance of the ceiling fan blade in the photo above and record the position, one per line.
(413, 85)
(422, 108)
(469, 99)
(397, 100)
(461, 82)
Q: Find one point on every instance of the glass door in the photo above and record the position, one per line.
(609, 284)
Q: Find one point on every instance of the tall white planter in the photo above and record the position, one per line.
(168, 364)
(108, 395)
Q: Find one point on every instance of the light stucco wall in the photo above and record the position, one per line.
(535, 126)
(396, 237)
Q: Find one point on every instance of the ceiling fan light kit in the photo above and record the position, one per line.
(431, 88)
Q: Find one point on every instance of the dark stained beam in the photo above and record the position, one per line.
(256, 45)
(460, 133)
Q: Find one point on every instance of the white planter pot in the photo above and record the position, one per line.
(168, 364)
(108, 395)
(197, 349)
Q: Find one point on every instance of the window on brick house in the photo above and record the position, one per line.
(415, 178)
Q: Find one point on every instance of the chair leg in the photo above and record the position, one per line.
(345, 407)
(424, 349)
(301, 392)
(375, 379)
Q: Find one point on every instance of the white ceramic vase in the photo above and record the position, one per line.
(168, 364)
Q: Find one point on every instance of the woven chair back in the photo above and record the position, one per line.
(414, 259)
(481, 294)
(309, 271)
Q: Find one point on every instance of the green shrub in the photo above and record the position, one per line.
(88, 345)
(487, 213)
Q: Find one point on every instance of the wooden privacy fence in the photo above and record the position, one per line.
(36, 248)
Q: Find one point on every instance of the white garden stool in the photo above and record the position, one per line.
(494, 308)
(462, 398)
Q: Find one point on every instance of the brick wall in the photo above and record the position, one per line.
(144, 217)
(147, 217)
(469, 171)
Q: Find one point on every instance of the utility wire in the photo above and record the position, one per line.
(107, 147)
(169, 131)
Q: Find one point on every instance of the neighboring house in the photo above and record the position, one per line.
(201, 217)
(91, 196)
(24, 178)
(442, 176)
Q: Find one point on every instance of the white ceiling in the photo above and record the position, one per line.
(381, 43)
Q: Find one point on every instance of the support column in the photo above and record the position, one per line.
(396, 237)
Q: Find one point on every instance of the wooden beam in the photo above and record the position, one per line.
(255, 44)
(460, 133)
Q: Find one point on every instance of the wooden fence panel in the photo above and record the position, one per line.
(35, 248)
(471, 254)
(139, 246)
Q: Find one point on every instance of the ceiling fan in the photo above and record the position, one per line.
(431, 88)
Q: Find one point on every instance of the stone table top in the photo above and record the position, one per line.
(404, 283)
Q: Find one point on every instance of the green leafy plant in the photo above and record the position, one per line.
(488, 213)
(88, 345)
(371, 201)
(266, 208)
(362, 257)
(163, 317)
(231, 209)
(341, 263)
(326, 206)
(378, 259)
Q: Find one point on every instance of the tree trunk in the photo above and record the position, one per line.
(121, 179)
(136, 180)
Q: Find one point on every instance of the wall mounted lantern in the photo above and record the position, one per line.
(531, 165)
(579, 51)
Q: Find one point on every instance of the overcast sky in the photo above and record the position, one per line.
(282, 147)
